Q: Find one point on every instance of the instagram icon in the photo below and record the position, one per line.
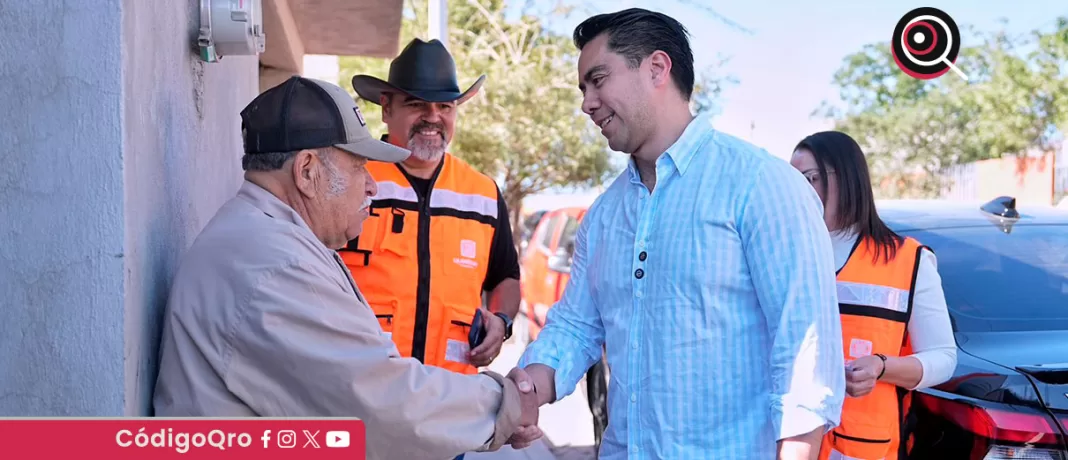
(287, 439)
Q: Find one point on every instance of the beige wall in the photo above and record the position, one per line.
(1029, 179)
(296, 28)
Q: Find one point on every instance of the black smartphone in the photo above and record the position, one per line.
(478, 330)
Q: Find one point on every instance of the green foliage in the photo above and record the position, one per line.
(525, 128)
(1016, 97)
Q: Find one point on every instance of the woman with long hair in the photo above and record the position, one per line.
(896, 331)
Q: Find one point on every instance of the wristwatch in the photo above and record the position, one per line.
(507, 324)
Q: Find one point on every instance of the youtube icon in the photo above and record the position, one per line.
(337, 439)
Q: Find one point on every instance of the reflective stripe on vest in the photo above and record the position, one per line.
(891, 299)
(421, 262)
(875, 302)
(395, 191)
(481, 206)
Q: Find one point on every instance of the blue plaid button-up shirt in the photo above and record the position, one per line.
(715, 299)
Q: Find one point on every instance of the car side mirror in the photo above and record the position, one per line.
(561, 261)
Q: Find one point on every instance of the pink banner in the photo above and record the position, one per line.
(186, 438)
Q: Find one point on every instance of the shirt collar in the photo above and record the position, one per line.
(271, 205)
(680, 154)
(683, 150)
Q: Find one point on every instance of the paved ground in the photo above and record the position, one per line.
(567, 423)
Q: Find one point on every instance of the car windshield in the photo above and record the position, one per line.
(996, 281)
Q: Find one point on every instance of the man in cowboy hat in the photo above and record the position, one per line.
(439, 234)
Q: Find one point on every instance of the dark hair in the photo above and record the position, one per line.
(856, 201)
(274, 161)
(266, 161)
(636, 33)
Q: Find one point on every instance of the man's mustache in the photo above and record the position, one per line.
(427, 126)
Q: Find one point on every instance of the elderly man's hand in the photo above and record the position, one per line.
(485, 353)
(528, 430)
(527, 396)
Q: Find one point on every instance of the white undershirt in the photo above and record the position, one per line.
(929, 328)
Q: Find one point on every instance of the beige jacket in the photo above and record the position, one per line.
(264, 320)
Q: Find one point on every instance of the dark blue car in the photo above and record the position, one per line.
(1005, 275)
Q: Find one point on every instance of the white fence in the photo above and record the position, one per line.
(962, 182)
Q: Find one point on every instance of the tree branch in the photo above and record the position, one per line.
(495, 23)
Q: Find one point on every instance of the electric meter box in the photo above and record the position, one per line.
(230, 28)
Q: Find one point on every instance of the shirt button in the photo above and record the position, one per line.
(634, 398)
(639, 273)
(634, 449)
(641, 244)
(634, 345)
(642, 256)
(638, 294)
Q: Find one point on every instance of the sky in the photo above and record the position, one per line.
(784, 67)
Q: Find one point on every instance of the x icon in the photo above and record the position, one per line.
(311, 439)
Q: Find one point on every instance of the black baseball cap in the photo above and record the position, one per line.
(305, 113)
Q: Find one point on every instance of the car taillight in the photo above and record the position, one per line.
(1009, 432)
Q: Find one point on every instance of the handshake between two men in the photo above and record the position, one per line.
(527, 432)
(485, 340)
(536, 388)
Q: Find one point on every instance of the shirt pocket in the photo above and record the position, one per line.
(385, 312)
(358, 251)
(453, 339)
(865, 336)
(862, 434)
(400, 229)
(464, 249)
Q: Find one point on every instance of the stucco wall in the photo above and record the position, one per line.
(61, 212)
(119, 145)
(183, 160)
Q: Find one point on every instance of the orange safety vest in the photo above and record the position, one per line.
(421, 261)
(875, 302)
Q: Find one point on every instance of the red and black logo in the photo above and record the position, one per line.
(926, 43)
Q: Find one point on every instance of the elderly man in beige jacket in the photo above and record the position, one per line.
(264, 319)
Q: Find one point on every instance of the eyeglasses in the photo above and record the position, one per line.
(814, 176)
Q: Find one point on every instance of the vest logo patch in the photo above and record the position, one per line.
(467, 249)
(859, 348)
(468, 252)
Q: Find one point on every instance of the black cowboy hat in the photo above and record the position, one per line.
(424, 70)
